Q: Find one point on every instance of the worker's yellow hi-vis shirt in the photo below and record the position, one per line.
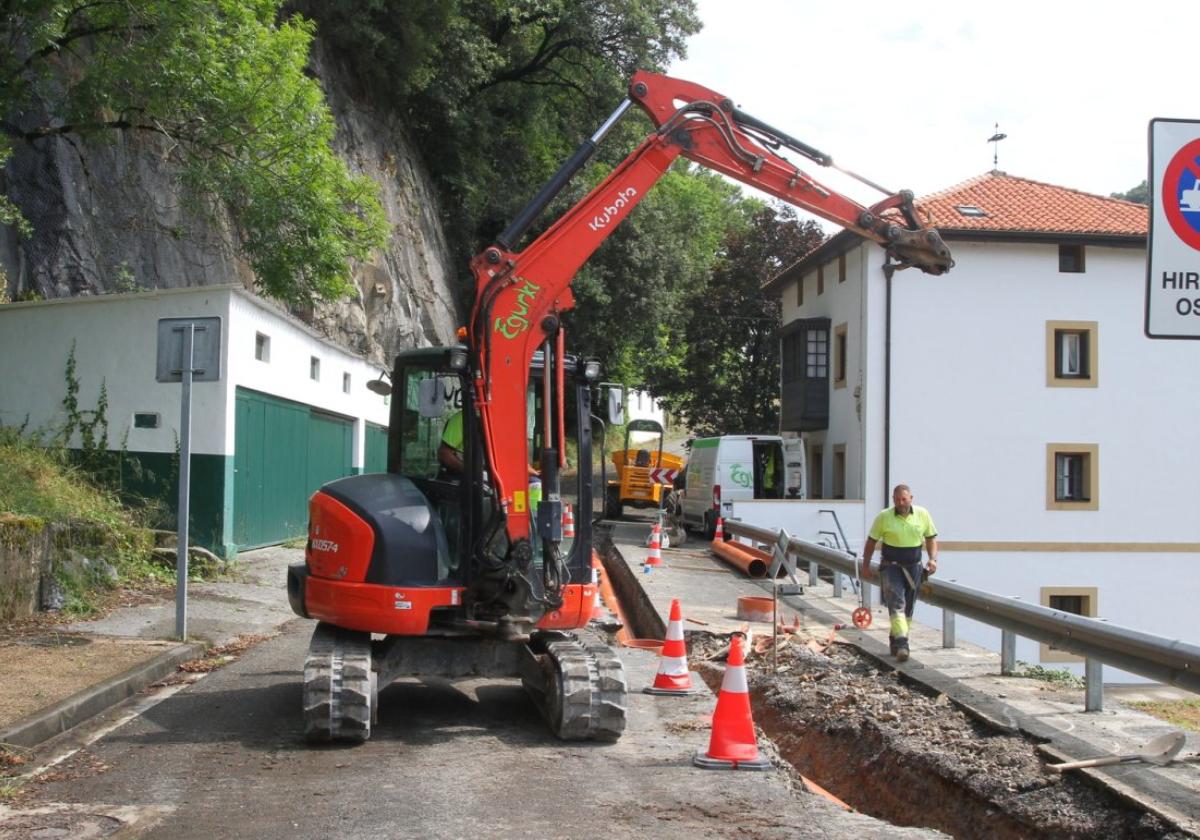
(903, 532)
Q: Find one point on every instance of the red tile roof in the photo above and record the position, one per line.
(1017, 204)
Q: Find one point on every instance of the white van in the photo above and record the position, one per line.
(737, 467)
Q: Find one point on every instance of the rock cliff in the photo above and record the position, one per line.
(109, 216)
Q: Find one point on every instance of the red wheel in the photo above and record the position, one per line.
(862, 618)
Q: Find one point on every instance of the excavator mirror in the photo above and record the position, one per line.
(616, 405)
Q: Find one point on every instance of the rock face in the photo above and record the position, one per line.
(109, 216)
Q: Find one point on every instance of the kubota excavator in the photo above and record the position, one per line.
(470, 573)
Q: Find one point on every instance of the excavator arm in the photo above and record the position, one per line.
(521, 295)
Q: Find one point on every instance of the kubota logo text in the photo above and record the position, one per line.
(612, 211)
(518, 321)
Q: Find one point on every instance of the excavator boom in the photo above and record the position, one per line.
(521, 295)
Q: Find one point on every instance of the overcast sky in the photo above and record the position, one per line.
(908, 93)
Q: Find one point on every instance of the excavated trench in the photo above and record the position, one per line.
(891, 751)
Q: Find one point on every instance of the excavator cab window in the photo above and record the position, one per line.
(432, 401)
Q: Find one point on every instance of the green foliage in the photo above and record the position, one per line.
(1139, 194)
(1056, 676)
(637, 291)
(499, 92)
(221, 83)
(726, 381)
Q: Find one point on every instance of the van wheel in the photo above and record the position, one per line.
(612, 504)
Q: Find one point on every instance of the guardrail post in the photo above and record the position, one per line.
(837, 584)
(1093, 678)
(947, 629)
(814, 573)
(1008, 652)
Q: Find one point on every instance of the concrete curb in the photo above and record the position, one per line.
(41, 726)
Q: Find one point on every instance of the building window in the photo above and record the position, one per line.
(816, 354)
(1079, 600)
(816, 473)
(839, 356)
(262, 347)
(841, 268)
(314, 368)
(1072, 354)
(1070, 259)
(1072, 476)
(800, 291)
(345, 383)
(820, 279)
(146, 420)
(839, 471)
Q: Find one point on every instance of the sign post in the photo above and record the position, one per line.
(1173, 260)
(189, 349)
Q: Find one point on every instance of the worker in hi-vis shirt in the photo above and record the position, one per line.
(902, 529)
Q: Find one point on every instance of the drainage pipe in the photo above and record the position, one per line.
(750, 560)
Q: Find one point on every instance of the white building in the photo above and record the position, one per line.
(290, 411)
(1053, 442)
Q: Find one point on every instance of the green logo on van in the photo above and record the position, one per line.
(739, 475)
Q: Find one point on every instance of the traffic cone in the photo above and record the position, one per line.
(568, 522)
(719, 531)
(654, 558)
(673, 676)
(733, 745)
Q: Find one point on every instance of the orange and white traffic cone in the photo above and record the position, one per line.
(654, 558)
(673, 676)
(733, 745)
(719, 531)
(568, 522)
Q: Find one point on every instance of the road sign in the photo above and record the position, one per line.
(1173, 261)
(663, 475)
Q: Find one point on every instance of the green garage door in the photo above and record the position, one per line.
(375, 456)
(284, 452)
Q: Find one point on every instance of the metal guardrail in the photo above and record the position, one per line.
(1173, 662)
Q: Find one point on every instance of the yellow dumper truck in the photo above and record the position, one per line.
(644, 473)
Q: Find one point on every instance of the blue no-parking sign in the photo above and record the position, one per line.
(1173, 263)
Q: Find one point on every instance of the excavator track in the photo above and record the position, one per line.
(340, 696)
(581, 689)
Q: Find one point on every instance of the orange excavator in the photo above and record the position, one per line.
(462, 565)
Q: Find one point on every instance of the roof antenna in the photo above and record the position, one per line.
(995, 141)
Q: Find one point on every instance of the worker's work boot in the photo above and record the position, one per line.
(902, 650)
(892, 645)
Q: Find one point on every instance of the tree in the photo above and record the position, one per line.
(635, 294)
(500, 92)
(1139, 194)
(221, 85)
(727, 381)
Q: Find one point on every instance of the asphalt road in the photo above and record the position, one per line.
(225, 757)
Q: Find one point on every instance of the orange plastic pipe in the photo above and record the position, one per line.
(750, 560)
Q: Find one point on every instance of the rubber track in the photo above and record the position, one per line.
(593, 692)
(339, 690)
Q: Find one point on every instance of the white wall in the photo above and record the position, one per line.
(116, 338)
(115, 342)
(286, 373)
(971, 412)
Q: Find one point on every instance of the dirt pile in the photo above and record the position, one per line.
(898, 754)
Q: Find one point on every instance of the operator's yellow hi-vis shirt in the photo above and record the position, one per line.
(902, 531)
